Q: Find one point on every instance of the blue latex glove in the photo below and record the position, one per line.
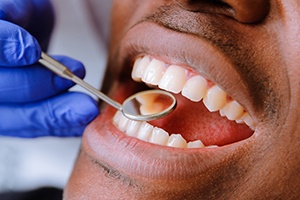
(33, 101)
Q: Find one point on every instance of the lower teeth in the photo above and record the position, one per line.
(146, 132)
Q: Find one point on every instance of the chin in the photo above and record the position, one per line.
(234, 133)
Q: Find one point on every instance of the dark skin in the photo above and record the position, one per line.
(252, 53)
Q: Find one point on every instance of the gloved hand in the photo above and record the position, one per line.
(33, 101)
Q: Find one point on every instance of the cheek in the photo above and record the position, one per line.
(122, 13)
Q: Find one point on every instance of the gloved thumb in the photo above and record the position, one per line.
(18, 47)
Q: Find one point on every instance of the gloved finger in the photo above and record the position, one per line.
(18, 47)
(35, 16)
(42, 22)
(62, 113)
(17, 11)
(33, 83)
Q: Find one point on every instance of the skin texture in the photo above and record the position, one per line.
(252, 53)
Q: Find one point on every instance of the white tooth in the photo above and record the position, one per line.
(116, 118)
(195, 88)
(173, 79)
(145, 131)
(222, 113)
(212, 146)
(196, 144)
(215, 99)
(122, 125)
(135, 73)
(154, 72)
(240, 120)
(132, 127)
(176, 140)
(248, 120)
(232, 110)
(139, 67)
(159, 136)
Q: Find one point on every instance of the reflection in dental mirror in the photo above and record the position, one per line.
(149, 105)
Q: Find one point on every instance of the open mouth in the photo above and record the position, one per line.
(194, 142)
(206, 116)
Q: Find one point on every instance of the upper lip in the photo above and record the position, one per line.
(172, 47)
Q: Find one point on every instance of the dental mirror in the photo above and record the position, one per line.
(142, 106)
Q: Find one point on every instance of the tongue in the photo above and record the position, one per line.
(193, 121)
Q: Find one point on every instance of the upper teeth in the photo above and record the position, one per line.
(193, 86)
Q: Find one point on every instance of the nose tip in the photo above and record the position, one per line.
(249, 11)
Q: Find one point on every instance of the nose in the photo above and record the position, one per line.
(244, 11)
(249, 11)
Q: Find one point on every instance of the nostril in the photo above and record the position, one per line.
(203, 5)
(249, 11)
(244, 11)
